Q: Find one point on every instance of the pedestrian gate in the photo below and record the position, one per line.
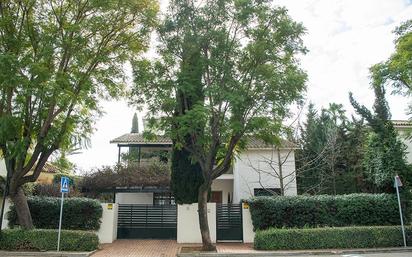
(229, 222)
(147, 221)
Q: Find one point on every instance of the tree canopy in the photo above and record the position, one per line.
(57, 60)
(396, 71)
(250, 74)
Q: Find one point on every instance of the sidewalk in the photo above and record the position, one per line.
(246, 250)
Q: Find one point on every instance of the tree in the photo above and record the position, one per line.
(249, 76)
(186, 172)
(133, 154)
(331, 149)
(57, 59)
(397, 71)
(384, 153)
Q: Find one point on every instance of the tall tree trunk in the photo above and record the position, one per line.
(203, 221)
(281, 181)
(22, 208)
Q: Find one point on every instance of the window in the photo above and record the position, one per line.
(266, 191)
(164, 198)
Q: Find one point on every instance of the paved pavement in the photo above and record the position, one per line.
(170, 248)
(364, 255)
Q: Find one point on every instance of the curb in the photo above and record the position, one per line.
(46, 254)
(300, 253)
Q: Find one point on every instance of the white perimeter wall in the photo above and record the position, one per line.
(134, 198)
(188, 229)
(108, 227)
(248, 233)
(252, 170)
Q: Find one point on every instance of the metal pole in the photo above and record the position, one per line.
(60, 223)
(400, 213)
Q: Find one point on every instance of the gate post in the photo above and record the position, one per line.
(108, 227)
(248, 233)
(188, 230)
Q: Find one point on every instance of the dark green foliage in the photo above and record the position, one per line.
(46, 240)
(324, 211)
(186, 174)
(78, 213)
(329, 161)
(58, 176)
(385, 154)
(330, 238)
(186, 177)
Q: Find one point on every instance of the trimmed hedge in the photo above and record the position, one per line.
(324, 211)
(330, 238)
(46, 240)
(78, 213)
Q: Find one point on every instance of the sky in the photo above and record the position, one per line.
(344, 38)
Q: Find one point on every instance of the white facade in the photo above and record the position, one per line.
(253, 169)
(3, 171)
(258, 168)
(404, 133)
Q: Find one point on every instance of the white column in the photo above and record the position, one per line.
(108, 227)
(7, 205)
(248, 233)
(188, 229)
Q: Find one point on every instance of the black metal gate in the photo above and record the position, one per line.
(147, 221)
(229, 222)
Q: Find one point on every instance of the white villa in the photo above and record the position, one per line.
(254, 172)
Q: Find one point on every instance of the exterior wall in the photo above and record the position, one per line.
(224, 185)
(6, 210)
(408, 142)
(188, 230)
(3, 171)
(134, 198)
(248, 233)
(108, 228)
(252, 170)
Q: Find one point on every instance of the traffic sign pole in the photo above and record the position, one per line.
(398, 183)
(64, 188)
(60, 222)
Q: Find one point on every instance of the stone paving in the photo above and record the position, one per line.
(170, 248)
(139, 248)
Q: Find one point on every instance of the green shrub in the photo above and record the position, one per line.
(46, 240)
(324, 211)
(58, 176)
(329, 238)
(78, 213)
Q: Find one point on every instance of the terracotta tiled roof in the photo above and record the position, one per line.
(256, 143)
(402, 123)
(135, 138)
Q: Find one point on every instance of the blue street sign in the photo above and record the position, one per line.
(64, 185)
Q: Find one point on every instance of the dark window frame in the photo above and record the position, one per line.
(266, 191)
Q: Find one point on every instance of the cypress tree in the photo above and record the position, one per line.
(384, 152)
(134, 151)
(186, 174)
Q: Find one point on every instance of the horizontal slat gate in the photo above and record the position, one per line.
(229, 222)
(147, 221)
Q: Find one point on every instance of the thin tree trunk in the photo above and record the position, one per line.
(22, 208)
(282, 188)
(203, 221)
